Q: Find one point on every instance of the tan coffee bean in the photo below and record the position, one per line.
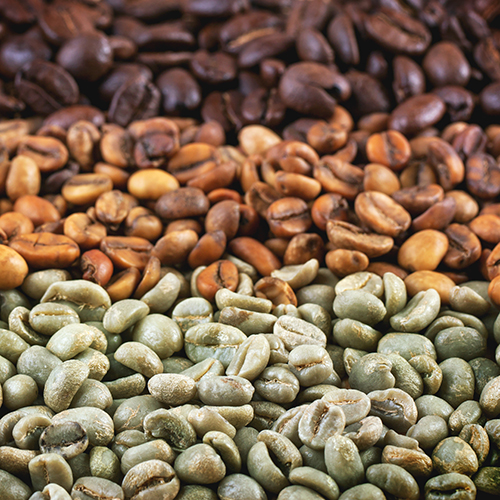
(487, 227)
(423, 251)
(342, 262)
(13, 268)
(151, 183)
(424, 280)
(380, 178)
(23, 178)
(84, 189)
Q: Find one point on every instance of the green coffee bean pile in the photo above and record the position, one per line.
(358, 392)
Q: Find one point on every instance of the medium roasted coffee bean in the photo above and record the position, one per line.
(46, 250)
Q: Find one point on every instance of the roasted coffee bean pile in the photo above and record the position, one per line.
(249, 249)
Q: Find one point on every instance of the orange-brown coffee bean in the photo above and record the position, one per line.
(342, 262)
(46, 250)
(327, 207)
(296, 185)
(219, 177)
(48, 153)
(118, 176)
(494, 291)
(380, 178)
(345, 235)
(423, 280)
(82, 229)
(151, 183)
(218, 275)
(13, 268)
(492, 263)
(14, 224)
(464, 249)
(374, 122)
(222, 194)
(182, 224)
(174, 247)
(23, 178)
(112, 208)
(423, 251)
(276, 290)
(255, 253)
(96, 267)
(150, 277)
(249, 172)
(223, 216)
(182, 203)
(116, 146)
(292, 156)
(127, 251)
(143, 223)
(192, 160)
(418, 173)
(37, 209)
(288, 216)
(122, 285)
(487, 227)
(249, 220)
(439, 216)
(84, 189)
(482, 176)
(260, 196)
(380, 268)
(304, 247)
(208, 249)
(390, 148)
(381, 213)
(446, 163)
(82, 138)
(418, 199)
(326, 138)
(466, 206)
(278, 246)
(337, 176)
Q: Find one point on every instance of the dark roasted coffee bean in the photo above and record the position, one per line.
(409, 79)
(136, 99)
(343, 38)
(179, 89)
(397, 32)
(86, 57)
(308, 87)
(46, 87)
